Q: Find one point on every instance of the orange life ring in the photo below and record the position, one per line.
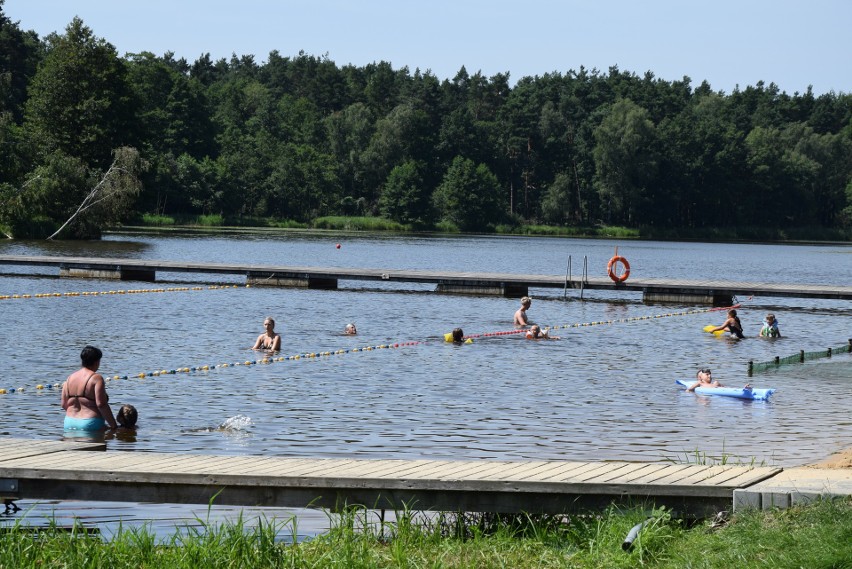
(610, 269)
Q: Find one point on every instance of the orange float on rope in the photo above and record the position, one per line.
(610, 269)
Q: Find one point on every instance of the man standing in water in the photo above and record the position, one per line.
(521, 315)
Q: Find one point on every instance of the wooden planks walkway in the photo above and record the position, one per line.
(673, 290)
(42, 470)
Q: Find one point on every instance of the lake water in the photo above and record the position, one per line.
(603, 392)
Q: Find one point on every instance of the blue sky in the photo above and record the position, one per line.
(726, 42)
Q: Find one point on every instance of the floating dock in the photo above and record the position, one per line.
(58, 470)
(712, 292)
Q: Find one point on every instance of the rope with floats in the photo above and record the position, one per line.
(307, 356)
(114, 292)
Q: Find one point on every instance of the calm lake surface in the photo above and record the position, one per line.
(602, 392)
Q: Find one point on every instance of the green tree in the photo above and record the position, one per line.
(469, 196)
(348, 134)
(80, 103)
(74, 199)
(405, 198)
(20, 53)
(402, 135)
(625, 160)
(304, 184)
(200, 183)
(559, 204)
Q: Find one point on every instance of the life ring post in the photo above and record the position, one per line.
(612, 268)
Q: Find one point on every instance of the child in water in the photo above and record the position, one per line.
(732, 325)
(770, 327)
(536, 333)
(127, 417)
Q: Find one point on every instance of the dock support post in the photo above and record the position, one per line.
(280, 280)
(680, 297)
(118, 273)
(507, 290)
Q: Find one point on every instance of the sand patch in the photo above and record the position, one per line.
(840, 459)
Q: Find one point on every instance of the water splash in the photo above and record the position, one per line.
(236, 423)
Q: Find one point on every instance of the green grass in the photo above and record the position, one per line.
(368, 223)
(570, 231)
(157, 220)
(358, 224)
(817, 535)
(700, 457)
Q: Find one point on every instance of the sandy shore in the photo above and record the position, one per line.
(840, 459)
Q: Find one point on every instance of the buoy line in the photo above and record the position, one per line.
(638, 318)
(321, 354)
(113, 292)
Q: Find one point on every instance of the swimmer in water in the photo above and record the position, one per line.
(269, 340)
(536, 333)
(127, 417)
(732, 325)
(350, 329)
(521, 318)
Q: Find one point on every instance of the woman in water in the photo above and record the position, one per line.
(84, 396)
(732, 325)
(269, 340)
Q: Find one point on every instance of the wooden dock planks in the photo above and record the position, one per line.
(657, 286)
(57, 470)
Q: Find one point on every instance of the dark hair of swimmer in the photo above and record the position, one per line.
(127, 416)
(90, 356)
(458, 335)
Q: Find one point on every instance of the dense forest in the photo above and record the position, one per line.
(97, 138)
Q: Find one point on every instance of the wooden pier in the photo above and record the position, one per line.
(717, 293)
(57, 470)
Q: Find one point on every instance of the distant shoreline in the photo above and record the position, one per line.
(354, 229)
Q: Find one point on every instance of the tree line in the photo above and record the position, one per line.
(299, 138)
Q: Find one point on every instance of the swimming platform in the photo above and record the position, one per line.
(701, 291)
(72, 470)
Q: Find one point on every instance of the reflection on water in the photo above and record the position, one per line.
(602, 392)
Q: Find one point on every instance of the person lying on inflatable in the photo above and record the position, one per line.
(536, 333)
(770, 327)
(705, 379)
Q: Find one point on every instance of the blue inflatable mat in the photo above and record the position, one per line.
(738, 392)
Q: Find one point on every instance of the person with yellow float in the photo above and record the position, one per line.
(732, 324)
(269, 340)
(457, 337)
